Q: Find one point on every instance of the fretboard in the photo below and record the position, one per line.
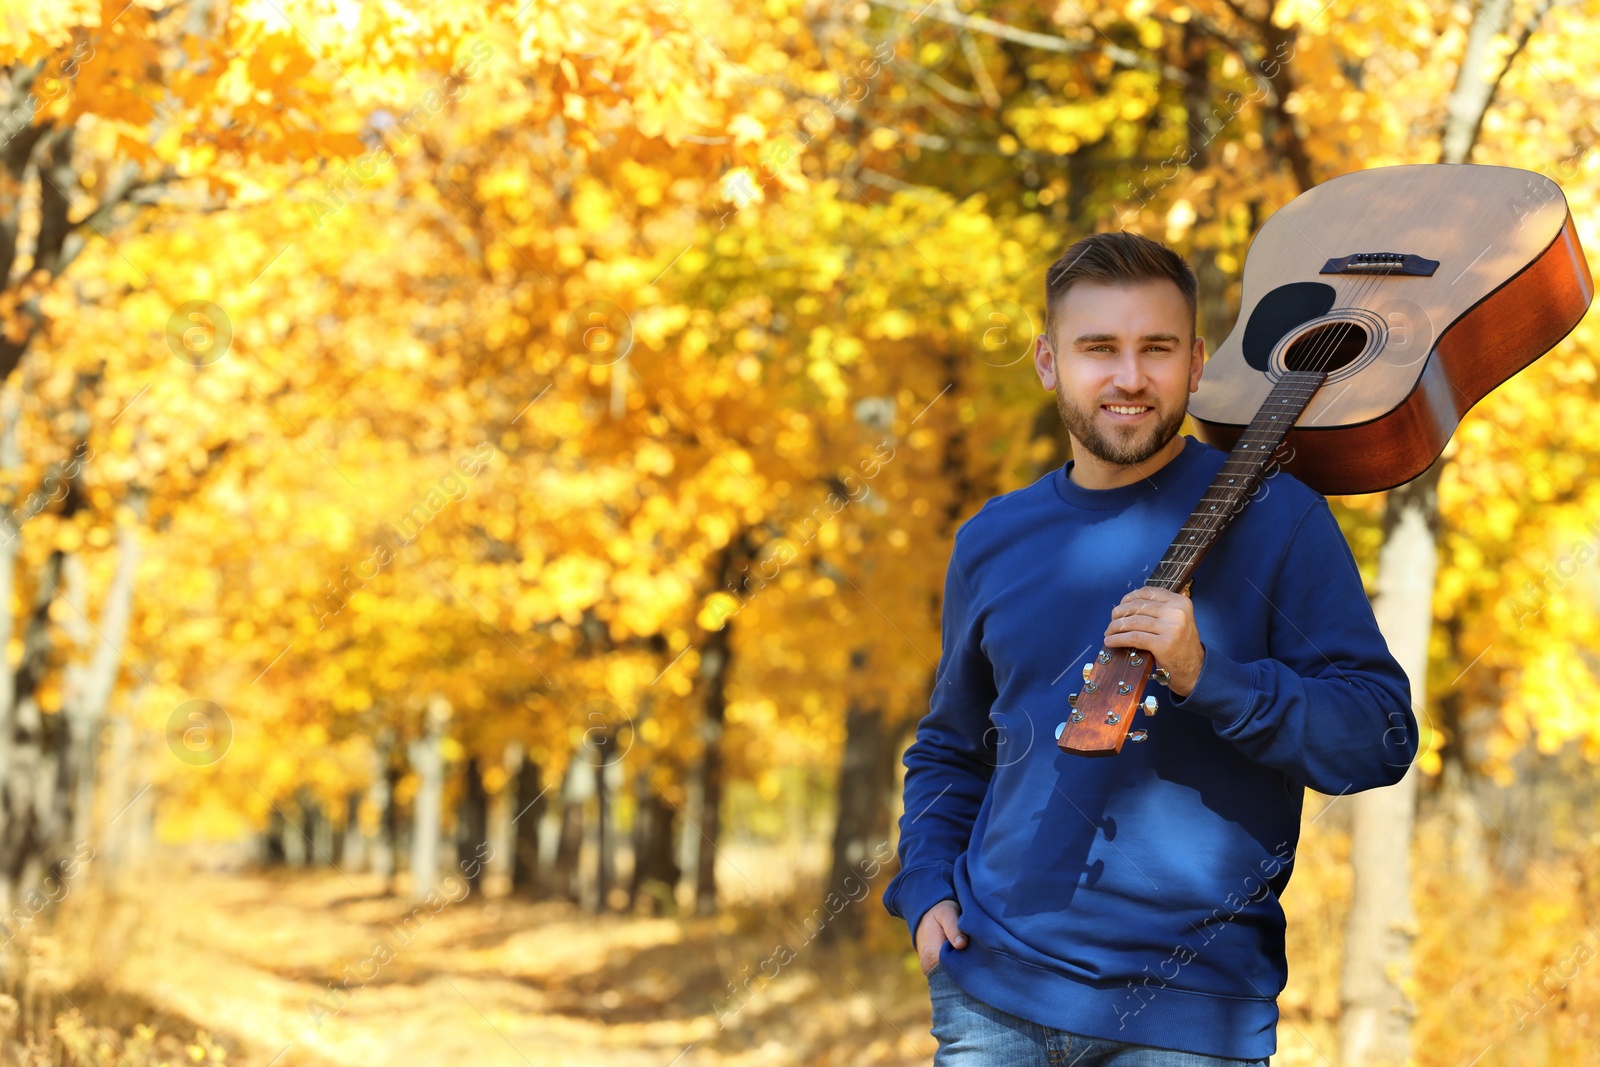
(1240, 476)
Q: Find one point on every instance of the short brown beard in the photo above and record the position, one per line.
(1084, 431)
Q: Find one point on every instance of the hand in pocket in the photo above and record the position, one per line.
(938, 925)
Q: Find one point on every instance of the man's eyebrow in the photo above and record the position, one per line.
(1097, 338)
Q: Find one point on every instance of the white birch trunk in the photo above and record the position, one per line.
(428, 806)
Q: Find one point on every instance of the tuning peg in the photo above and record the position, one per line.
(1104, 656)
(1160, 675)
(1060, 726)
(1088, 669)
(1124, 688)
(1138, 735)
(1150, 705)
(1072, 701)
(1136, 659)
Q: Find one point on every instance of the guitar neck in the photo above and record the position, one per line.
(1241, 474)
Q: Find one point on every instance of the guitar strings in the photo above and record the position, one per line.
(1324, 349)
(1364, 290)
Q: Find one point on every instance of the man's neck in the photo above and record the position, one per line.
(1091, 472)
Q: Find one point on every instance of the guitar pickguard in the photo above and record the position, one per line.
(1279, 312)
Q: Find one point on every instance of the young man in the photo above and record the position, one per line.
(1124, 911)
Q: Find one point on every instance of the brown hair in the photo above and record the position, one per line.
(1119, 258)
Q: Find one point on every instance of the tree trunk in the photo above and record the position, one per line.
(714, 673)
(124, 795)
(294, 837)
(47, 760)
(352, 842)
(526, 818)
(866, 776)
(27, 794)
(81, 712)
(10, 550)
(1198, 47)
(87, 685)
(1214, 312)
(715, 662)
(501, 833)
(569, 846)
(474, 822)
(319, 828)
(1375, 1020)
(428, 805)
(384, 843)
(1469, 857)
(273, 851)
(1472, 93)
(605, 775)
(655, 867)
(391, 833)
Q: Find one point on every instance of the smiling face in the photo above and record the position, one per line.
(1122, 365)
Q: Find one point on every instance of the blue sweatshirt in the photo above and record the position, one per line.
(1135, 897)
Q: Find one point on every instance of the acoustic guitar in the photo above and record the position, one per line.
(1377, 308)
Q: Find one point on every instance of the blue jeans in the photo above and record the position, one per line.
(973, 1034)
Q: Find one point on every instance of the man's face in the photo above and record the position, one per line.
(1122, 365)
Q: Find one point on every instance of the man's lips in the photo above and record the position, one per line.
(1127, 412)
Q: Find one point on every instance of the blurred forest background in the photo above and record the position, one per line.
(477, 483)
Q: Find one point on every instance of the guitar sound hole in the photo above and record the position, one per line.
(1327, 347)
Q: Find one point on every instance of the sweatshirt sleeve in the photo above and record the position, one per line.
(948, 765)
(1330, 707)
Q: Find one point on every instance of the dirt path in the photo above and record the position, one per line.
(494, 983)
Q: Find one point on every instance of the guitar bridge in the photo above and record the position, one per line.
(1381, 263)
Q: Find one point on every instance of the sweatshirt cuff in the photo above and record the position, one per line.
(920, 890)
(1225, 692)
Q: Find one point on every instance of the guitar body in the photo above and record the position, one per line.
(1407, 353)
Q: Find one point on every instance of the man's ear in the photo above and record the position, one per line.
(1197, 362)
(1044, 362)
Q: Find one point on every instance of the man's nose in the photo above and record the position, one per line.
(1129, 374)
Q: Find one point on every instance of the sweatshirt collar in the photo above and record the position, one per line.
(1123, 495)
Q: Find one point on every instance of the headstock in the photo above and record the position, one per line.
(1103, 710)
